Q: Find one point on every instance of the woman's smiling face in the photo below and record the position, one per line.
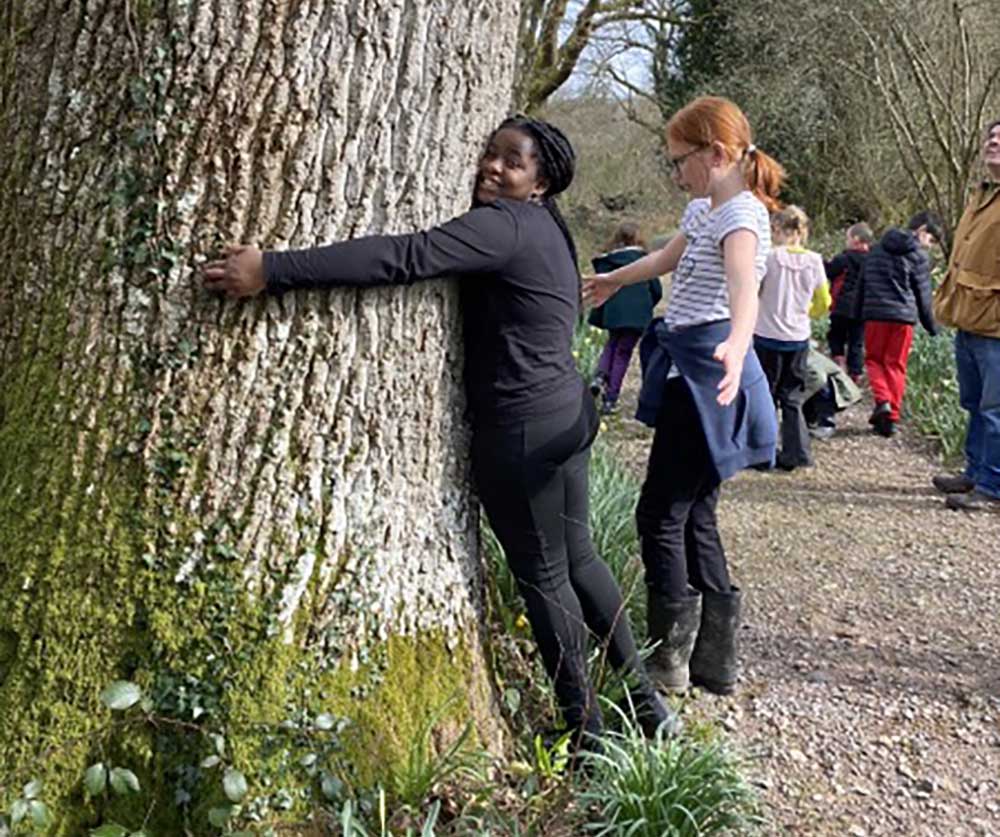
(509, 168)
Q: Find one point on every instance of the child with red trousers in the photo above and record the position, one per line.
(896, 292)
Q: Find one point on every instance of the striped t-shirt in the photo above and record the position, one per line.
(698, 292)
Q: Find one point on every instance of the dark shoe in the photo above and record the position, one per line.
(598, 383)
(713, 662)
(947, 484)
(822, 431)
(790, 465)
(886, 427)
(609, 407)
(881, 419)
(674, 625)
(974, 501)
(882, 411)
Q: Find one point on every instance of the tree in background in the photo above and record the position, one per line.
(259, 513)
(681, 65)
(873, 108)
(876, 109)
(553, 35)
(936, 71)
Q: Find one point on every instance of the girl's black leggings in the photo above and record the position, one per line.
(532, 480)
(681, 548)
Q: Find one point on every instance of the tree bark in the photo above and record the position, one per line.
(260, 512)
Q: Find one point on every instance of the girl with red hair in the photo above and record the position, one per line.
(703, 387)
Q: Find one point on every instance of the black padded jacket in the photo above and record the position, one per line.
(896, 282)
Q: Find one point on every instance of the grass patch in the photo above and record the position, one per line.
(931, 402)
(675, 787)
(588, 343)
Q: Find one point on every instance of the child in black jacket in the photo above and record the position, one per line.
(896, 292)
(846, 337)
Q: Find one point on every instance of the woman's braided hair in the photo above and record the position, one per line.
(556, 164)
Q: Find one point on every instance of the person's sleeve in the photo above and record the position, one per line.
(821, 299)
(859, 291)
(736, 215)
(836, 266)
(921, 284)
(480, 241)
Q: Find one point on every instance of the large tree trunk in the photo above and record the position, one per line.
(254, 510)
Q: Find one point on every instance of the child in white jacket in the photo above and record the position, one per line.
(793, 277)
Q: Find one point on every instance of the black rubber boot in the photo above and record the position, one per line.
(713, 661)
(652, 713)
(674, 625)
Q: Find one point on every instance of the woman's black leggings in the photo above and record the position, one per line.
(532, 480)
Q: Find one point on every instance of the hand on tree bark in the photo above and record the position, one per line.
(239, 274)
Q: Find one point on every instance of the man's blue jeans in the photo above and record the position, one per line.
(978, 362)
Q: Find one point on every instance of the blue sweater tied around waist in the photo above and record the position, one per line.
(740, 435)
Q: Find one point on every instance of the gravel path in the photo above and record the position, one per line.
(870, 688)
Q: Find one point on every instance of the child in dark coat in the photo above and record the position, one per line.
(846, 337)
(895, 294)
(625, 315)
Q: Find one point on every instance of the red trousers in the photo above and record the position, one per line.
(887, 349)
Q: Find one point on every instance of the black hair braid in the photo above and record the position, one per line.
(553, 208)
(556, 162)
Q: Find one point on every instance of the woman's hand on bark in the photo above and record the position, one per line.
(239, 274)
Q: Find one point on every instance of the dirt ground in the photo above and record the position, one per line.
(869, 700)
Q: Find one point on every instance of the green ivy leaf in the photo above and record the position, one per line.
(124, 781)
(209, 762)
(18, 811)
(331, 786)
(41, 816)
(32, 789)
(219, 742)
(121, 695)
(234, 784)
(220, 816)
(95, 780)
(325, 721)
(4, 827)
(111, 829)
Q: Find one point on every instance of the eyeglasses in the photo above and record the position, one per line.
(677, 162)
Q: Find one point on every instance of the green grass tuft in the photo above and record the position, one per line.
(668, 787)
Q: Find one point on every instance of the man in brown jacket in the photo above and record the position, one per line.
(969, 300)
